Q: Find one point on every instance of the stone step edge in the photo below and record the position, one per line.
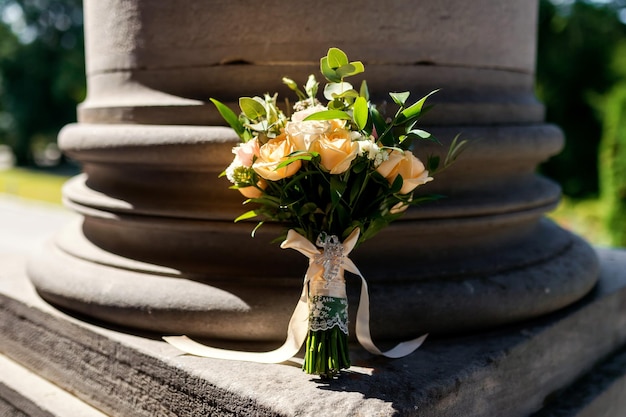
(22, 392)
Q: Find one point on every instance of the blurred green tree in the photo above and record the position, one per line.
(613, 165)
(42, 73)
(578, 42)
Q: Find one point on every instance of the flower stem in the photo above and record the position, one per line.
(326, 352)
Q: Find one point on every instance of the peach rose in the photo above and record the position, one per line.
(253, 192)
(246, 152)
(303, 114)
(337, 150)
(408, 166)
(271, 155)
(303, 134)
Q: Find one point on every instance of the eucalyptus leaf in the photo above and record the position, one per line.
(332, 89)
(328, 72)
(252, 108)
(348, 70)
(348, 94)
(336, 58)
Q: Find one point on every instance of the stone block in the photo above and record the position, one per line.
(509, 372)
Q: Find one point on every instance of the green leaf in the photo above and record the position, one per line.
(364, 91)
(379, 121)
(355, 188)
(336, 89)
(230, 117)
(329, 114)
(360, 166)
(400, 98)
(432, 163)
(361, 112)
(336, 58)
(349, 94)
(251, 108)
(304, 157)
(337, 188)
(396, 186)
(247, 215)
(414, 110)
(265, 200)
(348, 70)
(422, 134)
(308, 208)
(328, 72)
(455, 150)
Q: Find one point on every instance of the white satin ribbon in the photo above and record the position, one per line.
(298, 324)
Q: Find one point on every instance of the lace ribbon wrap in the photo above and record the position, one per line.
(328, 302)
(315, 286)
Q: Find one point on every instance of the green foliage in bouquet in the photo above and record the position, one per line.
(325, 171)
(330, 168)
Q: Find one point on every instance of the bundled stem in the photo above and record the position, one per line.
(326, 352)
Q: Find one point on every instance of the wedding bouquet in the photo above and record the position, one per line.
(331, 173)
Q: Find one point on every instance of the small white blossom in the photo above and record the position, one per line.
(372, 150)
(230, 171)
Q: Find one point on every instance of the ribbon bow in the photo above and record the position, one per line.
(298, 324)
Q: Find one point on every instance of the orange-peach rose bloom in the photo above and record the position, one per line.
(337, 150)
(408, 166)
(303, 134)
(271, 155)
(247, 151)
(253, 192)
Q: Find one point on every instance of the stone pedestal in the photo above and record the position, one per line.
(157, 249)
(566, 364)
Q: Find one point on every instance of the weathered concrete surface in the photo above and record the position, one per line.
(598, 393)
(24, 393)
(508, 372)
(25, 226)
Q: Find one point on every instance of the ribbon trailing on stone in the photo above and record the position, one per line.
(299, 323)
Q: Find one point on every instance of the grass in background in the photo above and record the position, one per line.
(32, 185)
(584, 218)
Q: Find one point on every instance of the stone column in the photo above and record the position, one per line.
(157, 249)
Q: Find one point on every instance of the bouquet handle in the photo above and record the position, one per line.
(298, 324)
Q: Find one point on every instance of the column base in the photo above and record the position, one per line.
(547, 271)
(509, 372)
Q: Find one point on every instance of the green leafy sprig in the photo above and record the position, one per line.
(313, 200)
